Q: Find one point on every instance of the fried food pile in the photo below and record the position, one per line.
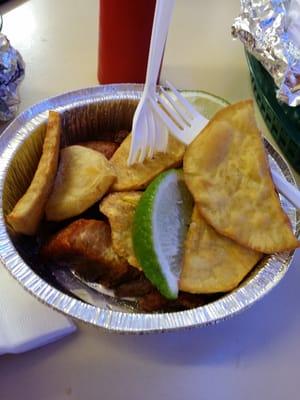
(237, 216)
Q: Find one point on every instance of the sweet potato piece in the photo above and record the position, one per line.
(85, 246)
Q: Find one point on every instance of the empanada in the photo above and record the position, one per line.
(227, 171)
(83, 177)
(212, 262)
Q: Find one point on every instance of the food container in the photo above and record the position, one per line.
(89, 114)
(282, 120)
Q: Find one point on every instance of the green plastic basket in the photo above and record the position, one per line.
(282, 120)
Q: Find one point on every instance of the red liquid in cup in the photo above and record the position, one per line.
(124, 38)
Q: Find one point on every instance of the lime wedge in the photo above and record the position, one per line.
(159, 229)
(207, 104)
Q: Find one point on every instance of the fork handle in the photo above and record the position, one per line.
(288, 190)
(162, 18)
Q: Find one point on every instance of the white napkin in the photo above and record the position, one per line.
(25, 323)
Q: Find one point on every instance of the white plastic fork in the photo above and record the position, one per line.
(177, 113)
(185, 123)
(149, 134)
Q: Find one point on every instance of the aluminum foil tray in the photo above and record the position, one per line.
(87, 114)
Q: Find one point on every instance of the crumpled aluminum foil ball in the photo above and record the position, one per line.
(267, 28)
(12, 69)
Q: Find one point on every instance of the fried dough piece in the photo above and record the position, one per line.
(212, 262)
(29, 210)
(138, 176)
(85, 245)
(106, 148)
(227, 172)
(119, 209)
(84, 176)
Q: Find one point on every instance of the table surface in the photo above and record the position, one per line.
(253, 355)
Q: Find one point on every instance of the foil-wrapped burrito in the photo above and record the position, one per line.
(270, 30)
(11, 74)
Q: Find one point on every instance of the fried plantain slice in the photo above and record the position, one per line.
(29, 210)
(119, 209)
(83, 177)
(212, 262)
(227, 172)
(138, 176)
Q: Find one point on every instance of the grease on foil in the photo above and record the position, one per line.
(267, 29)
(11, 74)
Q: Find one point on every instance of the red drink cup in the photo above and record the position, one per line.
(124, 38)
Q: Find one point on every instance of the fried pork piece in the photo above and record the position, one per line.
(135, 288)
(119, 136)
(85, 246)
(154, 301)
(119, 209)
(106, 148)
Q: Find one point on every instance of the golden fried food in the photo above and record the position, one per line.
(106, 148)
(138, 176)
(119, 209)
(212, 262)
(83, 177)
(85, 246)
(29, 210)
(227, 172)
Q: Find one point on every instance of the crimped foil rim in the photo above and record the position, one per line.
(253, 289)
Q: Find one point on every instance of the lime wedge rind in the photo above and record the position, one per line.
(159, 229)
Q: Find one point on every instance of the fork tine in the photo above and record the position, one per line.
(143, 149)
(151, 135)
(135, 152)
(181, 112)
(176, 117)
(184, 102)
(138, 142)
(161, 134)
(157, 133)
(169, 122)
